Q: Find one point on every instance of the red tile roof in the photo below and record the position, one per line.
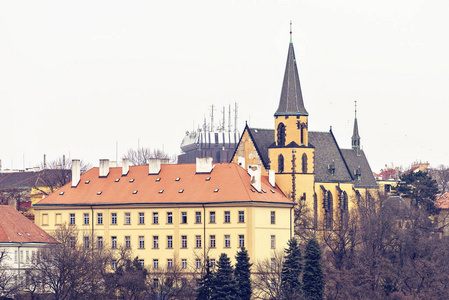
(442, 201)
(16, 228)
(227, 182)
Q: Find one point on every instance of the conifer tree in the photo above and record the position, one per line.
(242, 274)
(313, 277)
(224, 286)
(291, 271)
(205, 288)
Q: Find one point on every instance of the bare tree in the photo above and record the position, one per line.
(9, 284)
(441, 175)
(57, 173)
(142, 155)
(267, 277)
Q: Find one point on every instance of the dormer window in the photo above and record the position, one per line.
(158, 179)
(87, 182)
(177, 179)
(207, 178)
(135, 192)
(99, 193)
(161, 191)
(216, 191)
(131, 180)
(117, 180)
(61, 193)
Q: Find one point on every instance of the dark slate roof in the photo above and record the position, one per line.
(30, 179)
(359, 164)
(291, 103)
(355, 133)
(327, 153)
(262, 139)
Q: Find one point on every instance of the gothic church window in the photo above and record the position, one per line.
(329, 209)
(304, 163)
(280, 163)
(281, 134)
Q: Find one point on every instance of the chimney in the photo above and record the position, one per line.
(255, 173)
(271, 178)
(76, 172)
(204, 164)
(154, 166)
(45, 161)
(125, 166)
(104, 168)
(241, 161)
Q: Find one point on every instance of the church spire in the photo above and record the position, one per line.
(355, 134)
(291, 103)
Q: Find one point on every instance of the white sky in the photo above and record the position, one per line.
(76, 77)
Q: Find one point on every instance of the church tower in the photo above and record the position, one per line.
(291, 156)
(355, 140)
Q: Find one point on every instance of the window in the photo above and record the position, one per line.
(86, 219)
(281, 134)
(212, 263)
(114, 264)
(155, 241)
(281, 163)
(44, 219)
(113, 218)
(303, 126)
(127, 218)
(100, 242)
(58, 219)
(72, 219)
(198, 241)
(141, 218)
(184, 241)
(100, 218)
(183, 217)
(272, 263)
(212, 217)
(142, 263)
(72, 242)
(113, 242)
(304, 163)
(141, 242)
(155, 218)
(86, 242)
(184, 263)
(155, 283)
(155, 263)
(127, 242)
(241, 240)
(273, 217)
(329, 209)
(227, 241)
(273, 242)
(198, 263)
(169, 217)
(227, 216)
(241, 216)
(198, 217)
(169, 263)
(169, 241)
(212, 241)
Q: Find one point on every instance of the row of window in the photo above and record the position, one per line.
(169, 241)
(169, 218)
(156, 265)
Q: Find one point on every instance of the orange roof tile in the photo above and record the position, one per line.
(16, 228)
(442, 201)
(228, 183)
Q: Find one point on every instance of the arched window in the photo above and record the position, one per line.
(280, 163)
(315, 211)
(281, 134)
(344, 210)
(304, 163)
(302, 134)
(329, 210)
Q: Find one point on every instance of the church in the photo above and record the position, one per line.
(308, 166)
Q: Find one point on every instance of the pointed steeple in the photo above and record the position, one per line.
(291, 103)
(355, 134)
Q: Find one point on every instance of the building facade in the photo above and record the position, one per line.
(173, 213)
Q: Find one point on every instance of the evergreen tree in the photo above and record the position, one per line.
(205, 288)
(224, 286)
(421, 189)
(313, 277)
(242, 274)
(291, 270)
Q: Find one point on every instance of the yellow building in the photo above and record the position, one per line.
(307, 165)
(173, 213)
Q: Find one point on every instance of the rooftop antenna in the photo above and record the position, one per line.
(223, 126)
(212, 118)
(235, 116)
(229, 119)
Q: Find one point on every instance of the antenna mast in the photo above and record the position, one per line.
(212, 118)
(235, 116)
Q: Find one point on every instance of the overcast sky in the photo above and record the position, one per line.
(78, 77)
